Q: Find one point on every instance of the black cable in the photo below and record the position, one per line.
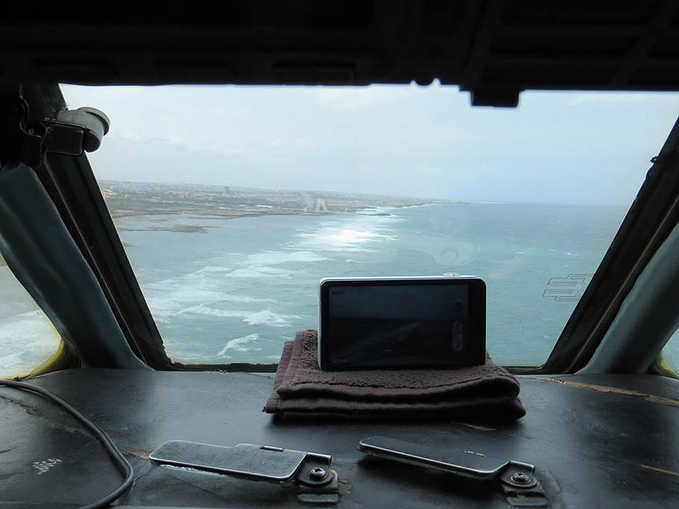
(110, 446)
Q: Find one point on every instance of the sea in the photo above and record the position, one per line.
(235, 289)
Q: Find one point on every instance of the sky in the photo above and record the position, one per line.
(399, 140)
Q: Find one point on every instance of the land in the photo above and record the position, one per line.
(135, 199)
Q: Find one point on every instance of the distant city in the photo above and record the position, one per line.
(136, 198)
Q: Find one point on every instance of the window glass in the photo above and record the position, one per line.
(233, 202)
(671, 351)
(27, 338)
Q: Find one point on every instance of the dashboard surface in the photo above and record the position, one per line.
(609, 440)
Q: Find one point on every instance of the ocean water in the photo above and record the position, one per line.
(27, 338)
(236, 290)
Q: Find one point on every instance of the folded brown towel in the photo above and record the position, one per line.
(302, 389)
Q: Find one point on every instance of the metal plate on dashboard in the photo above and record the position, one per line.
(243, 460)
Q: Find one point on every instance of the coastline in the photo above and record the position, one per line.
(195, 228)
(159, 202)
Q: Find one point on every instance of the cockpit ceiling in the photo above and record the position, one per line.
(493, 48)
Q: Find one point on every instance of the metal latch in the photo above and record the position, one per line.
(309, 472)
(517, 479)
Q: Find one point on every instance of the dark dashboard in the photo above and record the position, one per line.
(607, 440)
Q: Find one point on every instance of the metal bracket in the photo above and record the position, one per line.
(517, 480)
(19, 141)
(76, 131)
(72, 133)
(310, 472)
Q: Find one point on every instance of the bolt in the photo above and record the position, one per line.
(317, 474)
(521, 478)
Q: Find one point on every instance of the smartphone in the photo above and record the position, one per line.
(402, 323)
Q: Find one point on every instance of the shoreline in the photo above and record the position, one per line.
(197, 215)
(232, 214)
(127, 199)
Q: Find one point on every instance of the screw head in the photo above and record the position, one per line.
(317, 474)
(521, 478)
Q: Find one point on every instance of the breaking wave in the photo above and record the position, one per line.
(238, 344)
(279, 257)
(264, 317)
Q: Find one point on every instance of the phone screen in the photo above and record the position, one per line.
(390, 325)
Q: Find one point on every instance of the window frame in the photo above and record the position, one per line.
(72, 185)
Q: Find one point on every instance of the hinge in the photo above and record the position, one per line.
(308, 472)
(517, 480)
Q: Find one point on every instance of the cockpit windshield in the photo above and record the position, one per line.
(233, 202)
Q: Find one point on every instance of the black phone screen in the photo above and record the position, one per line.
(396, 324)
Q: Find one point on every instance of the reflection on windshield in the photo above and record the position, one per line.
(232, 208)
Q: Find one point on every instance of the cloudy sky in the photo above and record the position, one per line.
(557, 147)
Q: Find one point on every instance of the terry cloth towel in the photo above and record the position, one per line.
(301, 389)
